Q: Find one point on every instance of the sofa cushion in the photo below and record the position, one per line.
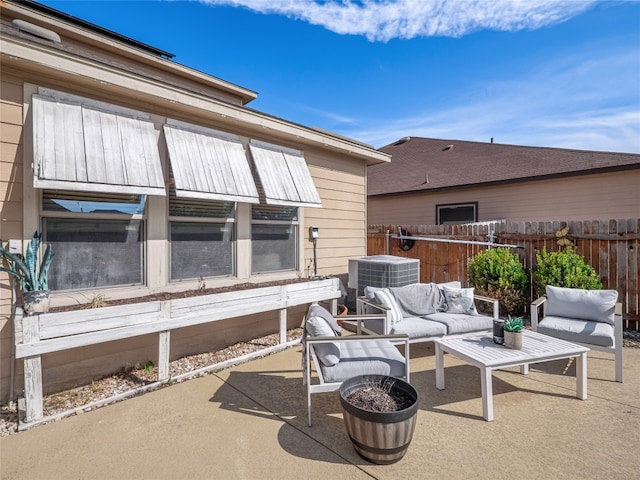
(385, 298)
(459, 300)
(456, 323)
(418, 299)
(582, 331)
(366, 358)
(417, 327)
(595, 305)
(320, 323)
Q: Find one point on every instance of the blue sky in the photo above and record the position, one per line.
(558, 73)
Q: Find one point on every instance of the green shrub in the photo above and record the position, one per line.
(563, 269)
(498, 273)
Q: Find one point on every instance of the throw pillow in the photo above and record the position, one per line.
(460, 300)
(316, 310)
(370, 292)
(385, 298)
(318, 326)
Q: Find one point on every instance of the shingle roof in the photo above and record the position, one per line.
(429, 164)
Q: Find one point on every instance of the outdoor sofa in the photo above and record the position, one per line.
(425, 311)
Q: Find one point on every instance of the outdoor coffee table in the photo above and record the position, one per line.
(480, 351)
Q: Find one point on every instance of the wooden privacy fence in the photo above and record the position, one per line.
(609, 246)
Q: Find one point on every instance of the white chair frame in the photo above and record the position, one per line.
(616, 349)
(323, 386)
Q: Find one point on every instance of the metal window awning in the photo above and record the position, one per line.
(85, 147)
(284, 175)
(209, 164)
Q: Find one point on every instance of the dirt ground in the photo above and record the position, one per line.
(102, 301)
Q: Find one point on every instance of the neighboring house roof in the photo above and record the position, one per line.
(426, 164)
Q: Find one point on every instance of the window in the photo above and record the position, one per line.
(202, 238)
(457, 213)
(274, 238)
(98, 240)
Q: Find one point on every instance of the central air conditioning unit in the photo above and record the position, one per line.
(382, 271)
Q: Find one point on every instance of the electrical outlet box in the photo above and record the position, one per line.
(15, 246)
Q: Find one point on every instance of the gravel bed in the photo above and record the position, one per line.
(135, 377)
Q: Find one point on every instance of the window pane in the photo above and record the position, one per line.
(94, 253)
(453, 214)
(201, 250)
(274, 248)
(79, 202)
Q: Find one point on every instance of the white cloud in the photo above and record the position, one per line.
(383, 20)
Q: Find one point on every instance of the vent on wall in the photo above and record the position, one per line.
(382, 271)
(35, 30)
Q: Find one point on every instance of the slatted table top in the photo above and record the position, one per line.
(480, 350)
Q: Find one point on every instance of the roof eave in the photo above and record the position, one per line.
(121, 47)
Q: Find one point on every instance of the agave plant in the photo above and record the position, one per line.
(24, 269)
(513, 324)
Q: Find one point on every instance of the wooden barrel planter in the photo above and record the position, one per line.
(379, 437)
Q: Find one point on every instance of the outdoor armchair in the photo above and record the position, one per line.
(336, 357)
(592, 318)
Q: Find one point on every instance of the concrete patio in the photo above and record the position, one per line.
(249, 422)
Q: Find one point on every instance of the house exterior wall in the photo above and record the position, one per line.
(584, 197)
(337, 166)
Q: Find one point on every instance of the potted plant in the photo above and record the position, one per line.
(513, 332)
(33, 281)
(380, 416)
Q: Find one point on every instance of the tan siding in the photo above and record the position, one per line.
(10, 114)
(10, 206)
(11, 91)
(602, 196)
(341, 220)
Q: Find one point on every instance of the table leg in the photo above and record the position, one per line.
(439, 367)
(581, 376)
(487, 393)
